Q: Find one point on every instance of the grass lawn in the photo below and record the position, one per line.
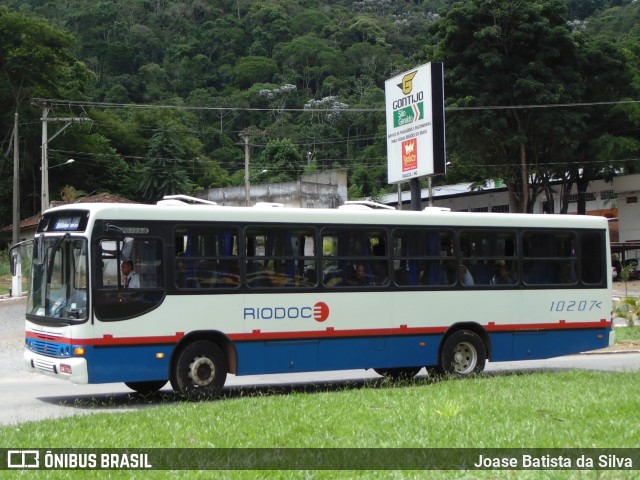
(534, 410)
(628, 334)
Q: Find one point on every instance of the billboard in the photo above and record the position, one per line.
(415, 123)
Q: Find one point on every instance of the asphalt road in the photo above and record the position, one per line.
(28, 396)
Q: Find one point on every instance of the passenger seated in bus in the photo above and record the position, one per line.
(129, 275)
(356, 277)
(502, 276)
(464, 276)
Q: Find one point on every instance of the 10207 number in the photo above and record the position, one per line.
(575, 305)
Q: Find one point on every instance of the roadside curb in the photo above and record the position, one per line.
(9, 298)
(605, 352)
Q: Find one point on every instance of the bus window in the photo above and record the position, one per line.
(423, 257)
(280, 257)
(146, 256)
(591, 262)
(549, 257)
(490, 256)
(354, 257)
(206, 257)
(113, 301)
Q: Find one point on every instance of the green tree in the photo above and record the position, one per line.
(509, 53)
(163, 172)
(606, 136)
(250, 70)
(282, 162)
(308, 59)
(36, 60)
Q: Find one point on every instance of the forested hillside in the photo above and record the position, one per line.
(173, 88)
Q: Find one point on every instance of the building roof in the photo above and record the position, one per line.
(98, 198)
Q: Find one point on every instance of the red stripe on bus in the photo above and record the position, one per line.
(330, 332)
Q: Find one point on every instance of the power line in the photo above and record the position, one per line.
(78, 103)
(346, 162)
(549, 105)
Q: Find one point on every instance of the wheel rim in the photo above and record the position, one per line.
(202, 371)
(465, 358)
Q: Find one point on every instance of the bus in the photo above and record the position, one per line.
(268, 289)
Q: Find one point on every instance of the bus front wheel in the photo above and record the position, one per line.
(200, 371)
(463, 353)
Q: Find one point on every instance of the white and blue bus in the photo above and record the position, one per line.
(269, 289)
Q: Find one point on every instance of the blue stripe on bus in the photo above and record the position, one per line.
(128, 363)
(132, 363)
(532, 345)
(336, 354)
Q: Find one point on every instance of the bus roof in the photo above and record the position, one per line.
(348, 215)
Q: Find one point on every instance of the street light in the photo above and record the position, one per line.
(71, 160)
(45, 182)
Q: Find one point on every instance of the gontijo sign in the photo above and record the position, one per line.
(415, 123)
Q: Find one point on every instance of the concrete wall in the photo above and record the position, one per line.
(318, 190)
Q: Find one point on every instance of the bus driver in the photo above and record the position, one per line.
(131, 279)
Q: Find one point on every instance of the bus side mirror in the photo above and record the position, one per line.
(114, 229)
(14, 257)
(13, 262)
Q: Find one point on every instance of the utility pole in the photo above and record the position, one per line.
(16, 280)
(247, 186)
(16, 182)
(45, 147)
(44, 166)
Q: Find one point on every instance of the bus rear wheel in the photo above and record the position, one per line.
(463, 353)
(200, 371)
(146, 388)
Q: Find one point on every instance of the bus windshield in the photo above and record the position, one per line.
(58, 284)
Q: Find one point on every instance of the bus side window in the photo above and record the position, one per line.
(489, 256)
(549, 258)
(280, 257)
(423, 257)
(355, 257)
(206, 257)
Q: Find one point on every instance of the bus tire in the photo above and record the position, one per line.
(397, 374)
(462, 354)
(201, 370)
(146, 388)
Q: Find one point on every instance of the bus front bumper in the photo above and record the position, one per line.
(73, 369)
